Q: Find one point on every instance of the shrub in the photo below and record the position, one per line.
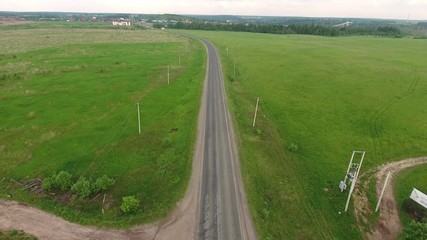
(130, 204)
(415, 231)
(293, 147)
(63, 180)
(48, 184)
(82, 188)
(103, 183)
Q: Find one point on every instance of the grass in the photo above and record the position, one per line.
(16, 235)
(68, 102)
(328, 96)
(403, 185)
(24, 40)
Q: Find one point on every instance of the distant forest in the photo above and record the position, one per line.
(258, 24)
(310, 29)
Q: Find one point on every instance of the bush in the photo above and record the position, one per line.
(82, 188)
(293, 147)
(48, 184)
(415, 231)
(63, 180)
(130, 204)
(103, 183)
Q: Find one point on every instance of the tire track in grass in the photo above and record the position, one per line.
(379, 113)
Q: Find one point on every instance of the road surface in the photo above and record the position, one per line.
(222, 212)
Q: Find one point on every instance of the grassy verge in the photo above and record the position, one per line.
(16, 235)
(68, 102)
(327, 96)
(403, 185)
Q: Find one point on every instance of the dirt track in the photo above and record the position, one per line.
(388, 226)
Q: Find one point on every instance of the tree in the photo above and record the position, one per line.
(103, 183)
(48, 184)
(130, 204)
(63, 180)
(82, 188)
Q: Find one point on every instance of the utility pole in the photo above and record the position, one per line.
(382, 191)
(168, 74)
(234, 71)
(139, 119)
(256, 110)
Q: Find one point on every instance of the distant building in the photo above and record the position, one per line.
(121, 22)
(346, 24)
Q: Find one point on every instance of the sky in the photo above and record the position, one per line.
(390, 9)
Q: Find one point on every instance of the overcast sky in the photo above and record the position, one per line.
(395, 9)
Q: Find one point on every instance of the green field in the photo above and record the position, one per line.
(328, 96)
(68, 102)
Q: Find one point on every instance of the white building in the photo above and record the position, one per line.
(120, 22)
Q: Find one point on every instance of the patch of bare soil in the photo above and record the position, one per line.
(388, 226)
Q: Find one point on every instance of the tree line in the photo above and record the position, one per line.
(309, 29)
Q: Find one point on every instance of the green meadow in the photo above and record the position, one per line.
(320, 99)
(68, 102)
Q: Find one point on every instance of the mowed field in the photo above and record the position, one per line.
(68, 102)
(320, 99)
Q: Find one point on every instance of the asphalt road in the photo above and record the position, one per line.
(223, 212)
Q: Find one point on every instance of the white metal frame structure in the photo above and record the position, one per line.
(352, 174)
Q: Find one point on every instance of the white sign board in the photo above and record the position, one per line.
(419, 197)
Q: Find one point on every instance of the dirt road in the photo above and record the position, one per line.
(388, 226)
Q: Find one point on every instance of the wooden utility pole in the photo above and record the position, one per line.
(382, 191)
(168, 74)
(256, 110)
(139, 119)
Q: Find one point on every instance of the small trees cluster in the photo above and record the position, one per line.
(82, 188)
(62, 181)
(130, 204)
